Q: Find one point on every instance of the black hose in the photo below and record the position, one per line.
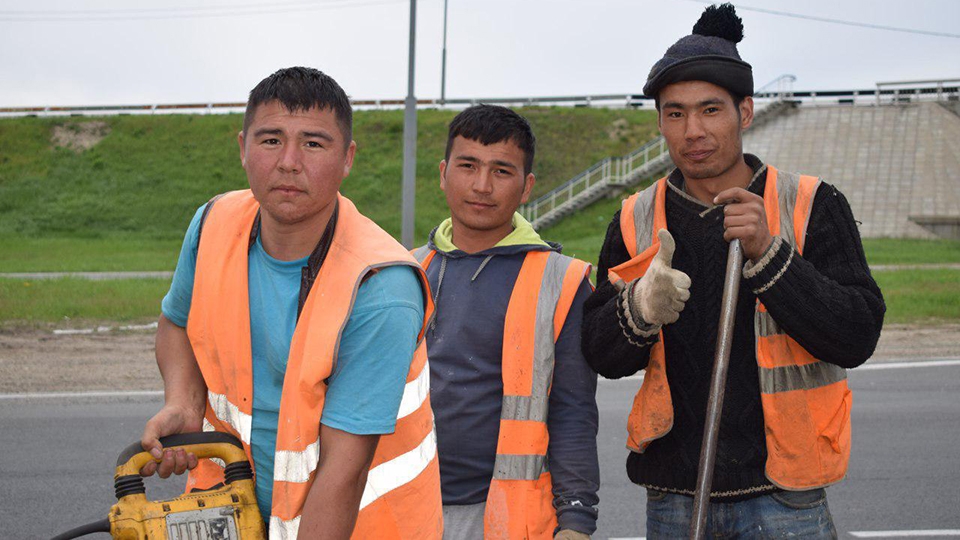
(97, 526)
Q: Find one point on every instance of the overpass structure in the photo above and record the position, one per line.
(893, 151)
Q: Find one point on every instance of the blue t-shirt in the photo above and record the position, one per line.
(376, 348)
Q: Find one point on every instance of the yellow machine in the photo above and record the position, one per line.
(227, 512)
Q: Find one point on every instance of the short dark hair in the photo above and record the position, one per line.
(490, 124)
(302, 89)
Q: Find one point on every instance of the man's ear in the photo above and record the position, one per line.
(348, 160)
(746, 112)
(443, 175)
(528, 183)
(243, 160)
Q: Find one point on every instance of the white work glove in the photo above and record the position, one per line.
(658, 297)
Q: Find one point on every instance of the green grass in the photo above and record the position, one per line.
(87, 254)
(921, 295)
(908, 251)
(136, 190)
(56, 300)
(124, 204)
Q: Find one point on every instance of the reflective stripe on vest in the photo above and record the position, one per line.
(520, 499)
(806, 402)
(231, 415)
(402, 496)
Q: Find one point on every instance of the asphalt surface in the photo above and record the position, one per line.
(57, 457)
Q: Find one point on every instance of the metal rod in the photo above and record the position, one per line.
(718, 381)
(443, 63)
(409, 189)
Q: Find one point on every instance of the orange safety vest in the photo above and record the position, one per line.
(520, 499)
(806, 402)
(401, 499)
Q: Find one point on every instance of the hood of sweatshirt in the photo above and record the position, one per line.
(523, 238)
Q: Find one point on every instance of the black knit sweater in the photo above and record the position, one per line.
(826, 300)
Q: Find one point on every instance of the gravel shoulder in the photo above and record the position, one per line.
(37, 360)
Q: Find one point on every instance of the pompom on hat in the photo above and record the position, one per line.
(708, 54)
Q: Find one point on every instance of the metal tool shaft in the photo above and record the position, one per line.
(718, 381)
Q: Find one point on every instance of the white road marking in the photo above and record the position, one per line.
(925, 362)
(905, 534)
(938, 362)
(863, 534)
(932, 362)
(102, 329)
(55, 395)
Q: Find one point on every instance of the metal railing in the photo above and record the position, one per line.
(601, 100)
(886, 93)
(624, 171)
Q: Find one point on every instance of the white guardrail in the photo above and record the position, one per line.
(602, 100)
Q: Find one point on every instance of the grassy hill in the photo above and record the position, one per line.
(116, 193)
(124, 202)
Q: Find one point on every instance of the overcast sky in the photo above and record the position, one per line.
(99, 52)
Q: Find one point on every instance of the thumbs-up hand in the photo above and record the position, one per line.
(659, 295)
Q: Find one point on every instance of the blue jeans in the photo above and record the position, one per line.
(794, 514)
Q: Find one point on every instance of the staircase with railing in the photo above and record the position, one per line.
(651, 159)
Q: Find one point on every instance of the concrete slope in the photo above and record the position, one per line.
(891, 162)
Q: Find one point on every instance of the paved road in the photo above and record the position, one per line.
(57, 456)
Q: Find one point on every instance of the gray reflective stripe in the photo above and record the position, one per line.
(643, 212)
(765, 325)
(543, 344)
(420, 254)
(513, 467)
(525, 408)
(787, 187)
(806, 377)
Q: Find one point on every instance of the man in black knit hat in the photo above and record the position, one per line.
(808, 310)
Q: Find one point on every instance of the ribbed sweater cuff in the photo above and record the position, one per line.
(765, 273)
(637, 331)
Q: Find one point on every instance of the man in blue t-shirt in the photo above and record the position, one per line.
(296, 147)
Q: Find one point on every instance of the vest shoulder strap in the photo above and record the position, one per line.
(788, 199)
(206, 212)
(423, 255)
(642, 215)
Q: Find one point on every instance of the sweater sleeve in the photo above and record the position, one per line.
(572, 425)
(609, 345)
(826, 299)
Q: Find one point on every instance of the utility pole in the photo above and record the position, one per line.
(443, 65)
(409, 187)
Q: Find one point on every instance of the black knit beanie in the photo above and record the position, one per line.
(708, 54)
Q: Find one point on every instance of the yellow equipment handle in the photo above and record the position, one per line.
(205, 444)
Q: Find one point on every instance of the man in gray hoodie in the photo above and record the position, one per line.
(514, 399)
